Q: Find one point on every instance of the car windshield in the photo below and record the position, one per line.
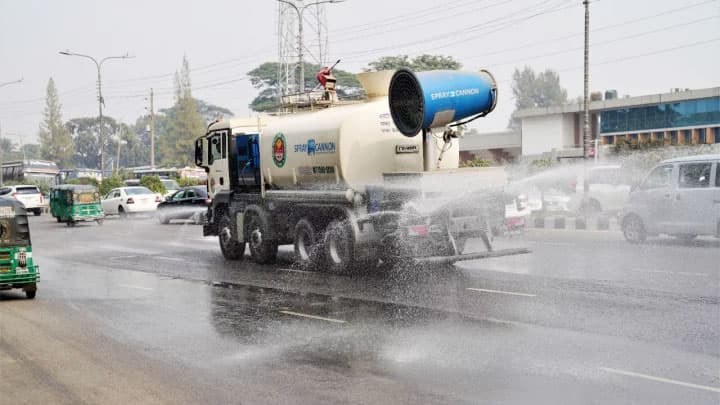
(137, 191)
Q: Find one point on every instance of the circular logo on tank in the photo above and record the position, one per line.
(279, 149)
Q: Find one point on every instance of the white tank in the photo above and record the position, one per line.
(346, 146)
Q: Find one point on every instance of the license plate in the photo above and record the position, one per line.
(21, 270)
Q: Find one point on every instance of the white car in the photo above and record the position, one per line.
(602, 188)
(130, 200)
(29, 195)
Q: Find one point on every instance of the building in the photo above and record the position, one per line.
(679, 117)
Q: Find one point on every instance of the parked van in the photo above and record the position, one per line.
(679, 197)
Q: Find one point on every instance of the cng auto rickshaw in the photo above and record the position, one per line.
(72, 203)
(17, 268)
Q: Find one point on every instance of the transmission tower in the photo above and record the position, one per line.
(311, 48)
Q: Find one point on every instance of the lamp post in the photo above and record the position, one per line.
(299, 11)
(1, 151)
(100, 97)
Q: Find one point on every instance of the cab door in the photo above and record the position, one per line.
(217, 160)
(693, 207)
(653, 199)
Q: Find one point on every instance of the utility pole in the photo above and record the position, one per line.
(586, 119)
(152, 131)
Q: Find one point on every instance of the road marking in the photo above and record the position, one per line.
(123, 257)
(296, 271)
(660, 379)
(502, 292)
(681, 273)
(137, 287)
(172, 259)
(312, 316)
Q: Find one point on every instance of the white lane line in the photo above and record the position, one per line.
(680, 273)
(312, 316)
(137, 287)
(502, 292)
(296, 271)
(123, 257)
(172, 259)
(660, 379)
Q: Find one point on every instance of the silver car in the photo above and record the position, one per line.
(679, 197)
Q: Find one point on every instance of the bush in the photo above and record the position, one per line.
(189, 181)
(110, 183)
(86, 181)
(154, 184)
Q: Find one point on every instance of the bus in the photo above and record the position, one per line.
(30, 171)
(169, 173)
(79, 173)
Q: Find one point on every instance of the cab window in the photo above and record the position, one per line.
(215, 149)
(695, 175)
(659, 177)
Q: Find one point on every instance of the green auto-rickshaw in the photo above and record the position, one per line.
(72, 203)
(17, 268)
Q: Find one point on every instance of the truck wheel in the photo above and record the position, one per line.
(30, 294)
(37, 212)
(262, 250)
(339, 247)
(230, 247)
(634, 229)
(307, 245)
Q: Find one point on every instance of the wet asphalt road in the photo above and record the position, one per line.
(149, 313)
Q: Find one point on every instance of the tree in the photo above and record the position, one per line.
(264, 78)
(177, 145)
(535, 91)
(418, 64)
(86, 144)
(55, 141)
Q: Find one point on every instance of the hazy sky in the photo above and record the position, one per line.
(637, 47)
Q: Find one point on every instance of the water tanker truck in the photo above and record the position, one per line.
(356, 184)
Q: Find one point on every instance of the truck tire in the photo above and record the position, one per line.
(262, 250)
(229, 245)
(634, 230)
(307, 244)
(339, 248)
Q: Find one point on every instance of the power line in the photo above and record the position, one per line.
(602, 28)
(503, 23)
(606, 42)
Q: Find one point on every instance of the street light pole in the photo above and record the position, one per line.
(299, 11)
(100, 98)
(12, 82)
